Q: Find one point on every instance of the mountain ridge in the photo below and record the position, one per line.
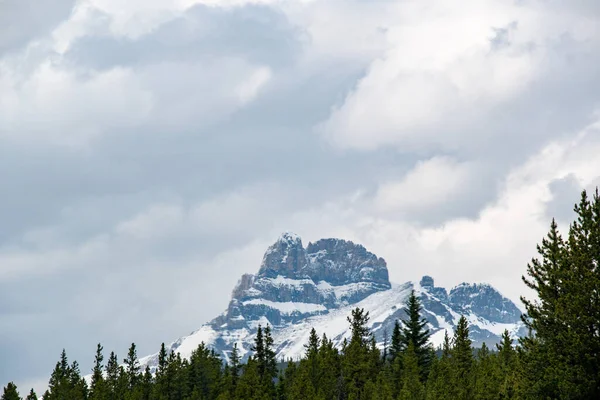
(298, 288)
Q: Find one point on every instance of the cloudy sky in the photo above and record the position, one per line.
(151, 150)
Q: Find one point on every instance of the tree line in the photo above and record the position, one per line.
(559, 359)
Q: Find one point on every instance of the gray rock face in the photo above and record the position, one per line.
(299, 288)
(341, 262)
(286, 257)
(484, 301)
(293, 282)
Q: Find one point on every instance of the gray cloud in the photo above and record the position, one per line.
(24, 20)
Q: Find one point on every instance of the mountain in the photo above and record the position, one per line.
(298, 288)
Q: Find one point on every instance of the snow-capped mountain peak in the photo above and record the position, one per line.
(299, 288)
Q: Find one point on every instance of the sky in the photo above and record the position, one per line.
(151, 150)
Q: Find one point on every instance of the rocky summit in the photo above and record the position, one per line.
(298, 288)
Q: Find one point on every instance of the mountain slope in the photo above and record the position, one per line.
(299, 288)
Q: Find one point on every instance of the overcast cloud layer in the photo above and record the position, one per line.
(151, 150)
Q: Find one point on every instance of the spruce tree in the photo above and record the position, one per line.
(31, 395)
(561, 359)
(77, 386)
(312, 359)
(132, 367)
(357, 360)
(330, 382)
(59, 384)
(234, 362)
(414, 332)
(112, 376)
(462, 361)
(10, 392)
(397, 340)
(97, 386)
(259, 351)
(412, 388)
(270, 366)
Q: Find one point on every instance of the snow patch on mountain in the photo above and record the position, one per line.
(299, 288)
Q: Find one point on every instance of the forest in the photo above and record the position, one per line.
(558, 359)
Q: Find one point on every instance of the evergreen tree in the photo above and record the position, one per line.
(98, 385)
(561, 359)
(487, 375)
(59, 385)
(10, 392)
(312, 359)
(162, 358)
(249, 386)
(146, 384)
(414, 332)
(113, 373)
(507, 366)
(462, 361)
(78, 389)
(440, 382)
(259, 351)
(357, 361)
(31, 395)
(270, 364)
(234, 362)
(412, 388)
(132, 367)
(397, 340)
(330, 382)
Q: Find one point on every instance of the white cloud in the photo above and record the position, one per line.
(428, 184)
(248, 90)
(449, 65)
(57, 105)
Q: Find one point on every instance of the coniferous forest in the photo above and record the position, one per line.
(559, 359)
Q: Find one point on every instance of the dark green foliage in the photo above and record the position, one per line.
(462, 361)
(31, 395)
(412, 387)
(561, 359)
(132, 367)
(415, 333)
(66, 382)
(397, 340)
(10, 392)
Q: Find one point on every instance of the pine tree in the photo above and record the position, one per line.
(487, 375)
(312, 359)
(462, 361)
(249, 386)
(78, 389)
(507, 366)
(414, 332)
(146, 384)
(330, 367)
(112, 377)
(10, 392)
(270, 363)
(59, 385)
(259, 351)
(357, 360)
(234, 361)
(162, 358)
(397, 340)
(98, 385)
(412, 388)
(132, 367)
(561, 359)
(31, 395)
(440, 381)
